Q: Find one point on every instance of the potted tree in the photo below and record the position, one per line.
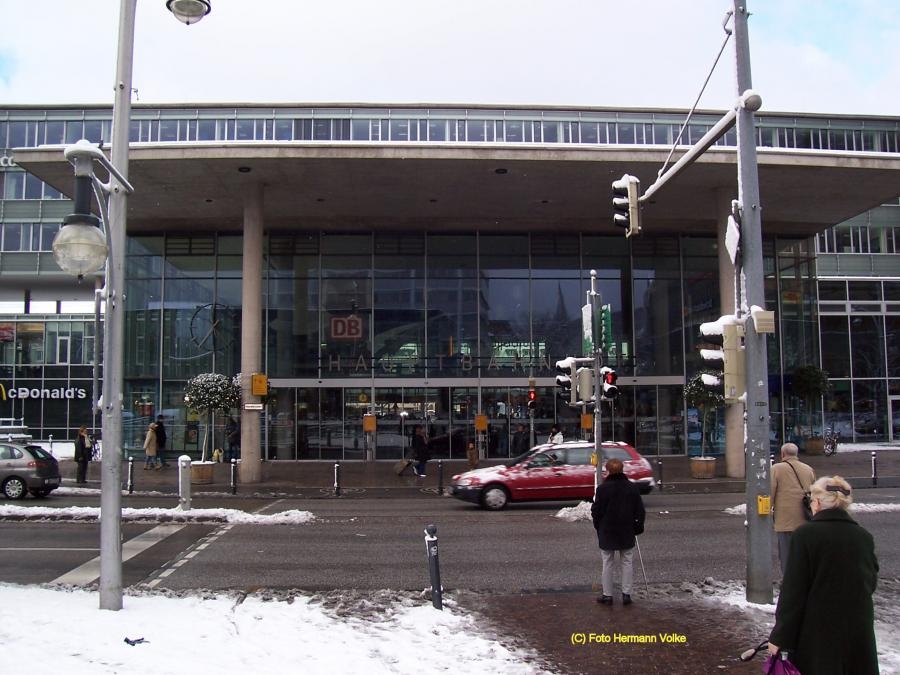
(702, 392)
(209, 392)
(810, 383)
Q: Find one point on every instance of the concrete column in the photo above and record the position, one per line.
(734, 413)
(251, 330)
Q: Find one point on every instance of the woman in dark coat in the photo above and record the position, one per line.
(82, 454)
(825, 619)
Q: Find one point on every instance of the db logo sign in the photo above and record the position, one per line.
(346, 327)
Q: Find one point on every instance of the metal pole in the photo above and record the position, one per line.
(234, 476)
(114, 324)
(440, 490)
(659, 463)
(130, 475)
(874, 468)
(759, 526)
(184, 482)
(337, 479)
(598, 384)
(643, 570)
(434, 567)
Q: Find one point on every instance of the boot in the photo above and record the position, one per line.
(605, 600)
(626, 599)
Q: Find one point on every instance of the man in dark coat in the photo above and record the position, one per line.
(161, 439)
(82, 454)
(618, 514)
(824, 618)
(420, 451)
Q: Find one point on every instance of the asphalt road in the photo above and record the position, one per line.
(369, 544)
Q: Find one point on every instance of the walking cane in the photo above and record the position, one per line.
(641, 558)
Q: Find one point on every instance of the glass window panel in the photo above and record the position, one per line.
(168, 131)
(836, 358)
(55, 132)
(206, 130)
(833, 290)
(452, 299)
(867, 346)
(865, 290)
(15, 185)
(34, 188)
(284, 130)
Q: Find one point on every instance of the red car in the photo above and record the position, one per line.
(548, 472)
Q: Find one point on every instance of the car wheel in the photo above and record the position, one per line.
(14, 488)
(494, 497)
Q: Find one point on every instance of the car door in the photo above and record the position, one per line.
(578, 477)
(535, 478)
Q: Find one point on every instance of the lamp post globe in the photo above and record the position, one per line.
(189, 11)
(80, 248)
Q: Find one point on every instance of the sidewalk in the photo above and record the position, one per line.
(377, 479)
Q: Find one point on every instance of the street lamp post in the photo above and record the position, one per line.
(187, 11)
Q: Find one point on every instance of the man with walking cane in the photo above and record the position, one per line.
(618, 515)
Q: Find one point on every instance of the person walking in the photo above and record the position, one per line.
(233, 440)
(824, 618)
(791, 478)
(161, 439)
(150, 447)
(420, 451)
(472, 455)
(520, 441)
(555, 435)
(83, 451)
(618, 515)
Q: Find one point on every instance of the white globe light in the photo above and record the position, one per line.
(189, 11)
(80, 248)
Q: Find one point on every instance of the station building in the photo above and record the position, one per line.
(424, 263)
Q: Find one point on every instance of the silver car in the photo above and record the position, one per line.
(27, 468)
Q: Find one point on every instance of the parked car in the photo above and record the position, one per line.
(27, 468)
(548, 472)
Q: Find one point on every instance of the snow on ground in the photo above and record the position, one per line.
(219, 633)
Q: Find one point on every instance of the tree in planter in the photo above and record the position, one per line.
(809, 383)
(702, 392)
(211, 392)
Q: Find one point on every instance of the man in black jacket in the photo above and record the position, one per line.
(618, 514)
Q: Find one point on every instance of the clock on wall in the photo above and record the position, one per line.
(212, 326)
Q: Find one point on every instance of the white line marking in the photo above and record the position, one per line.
(86, 573)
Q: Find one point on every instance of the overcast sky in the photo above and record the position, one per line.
(827, 56)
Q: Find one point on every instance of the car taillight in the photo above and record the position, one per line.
(37, 464)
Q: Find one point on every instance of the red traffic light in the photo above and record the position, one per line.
(532, 395)
(610, 377)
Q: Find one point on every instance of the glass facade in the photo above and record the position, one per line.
(434, 328)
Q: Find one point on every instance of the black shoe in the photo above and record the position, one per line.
(604, 600)
(626, 599)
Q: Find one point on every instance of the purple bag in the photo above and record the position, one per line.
(778, 664)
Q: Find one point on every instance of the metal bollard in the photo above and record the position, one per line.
(184, 483)
(874, 468)
(440, 478)
(51, 443)
(130, 474)
(434, 567)
(337, 479)
(659, 464)
(234, 476)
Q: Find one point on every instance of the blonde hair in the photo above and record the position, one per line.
(832, 491)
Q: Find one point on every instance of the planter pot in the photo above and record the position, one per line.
(202, 472)
(814, 446)
(703, 467)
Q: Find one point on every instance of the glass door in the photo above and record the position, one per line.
(895, 418)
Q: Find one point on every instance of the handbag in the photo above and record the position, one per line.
(805, 502)
(778, 664)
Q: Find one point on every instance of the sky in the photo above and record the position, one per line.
(822, 56)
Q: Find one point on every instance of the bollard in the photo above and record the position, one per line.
(874, 468)
(130, 475)
(337, 479)
(659, 464)
(440, 478)
(234, 476)
(434, 567)
(184, 483)
(51, 443)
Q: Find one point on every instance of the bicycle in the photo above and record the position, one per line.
(832, 438)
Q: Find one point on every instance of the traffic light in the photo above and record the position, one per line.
(585, 393)
(566, 381)
(733, 372)
(606, 336)
(626, 205)
(532, 399)
(610, 390)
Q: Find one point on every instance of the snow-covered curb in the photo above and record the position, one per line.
(176, 515)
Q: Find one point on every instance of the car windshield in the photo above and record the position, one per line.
(521, 458)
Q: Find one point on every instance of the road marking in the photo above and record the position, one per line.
(89, 571)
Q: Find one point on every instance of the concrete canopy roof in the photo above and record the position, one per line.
(443, 187)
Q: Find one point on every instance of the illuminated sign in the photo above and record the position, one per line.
(70, 393)
(347, 327)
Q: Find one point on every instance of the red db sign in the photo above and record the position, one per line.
(346, 327)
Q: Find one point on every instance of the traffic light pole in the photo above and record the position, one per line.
(598, 382)
(759, 525)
